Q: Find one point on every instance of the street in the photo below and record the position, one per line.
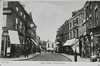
(50, 31)
(48, 57)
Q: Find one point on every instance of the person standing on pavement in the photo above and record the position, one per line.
(27, 51)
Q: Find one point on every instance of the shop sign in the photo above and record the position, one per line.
(14, 37)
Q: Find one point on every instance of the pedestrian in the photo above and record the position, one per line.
(24, 51)
(27, 51)
(42, 53)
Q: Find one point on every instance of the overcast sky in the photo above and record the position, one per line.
(50, 15)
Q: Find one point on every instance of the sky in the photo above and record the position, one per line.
(50, 15)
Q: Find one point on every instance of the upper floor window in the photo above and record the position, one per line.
(5, 4)
(20, 25)
(87, 18)
(90, 16)
(90, 6)
(24, 16)
(76, 20)
(96, 7)
(16, 20)
(17, 8)
(70, 25)
(21, 13)
(16, 26)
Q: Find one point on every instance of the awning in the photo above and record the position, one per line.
(69, 42)
(76, 46)
(14, 37)
(74, 43)
(34, 42)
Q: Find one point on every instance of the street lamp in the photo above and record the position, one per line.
(93, 57)
(75, 56)
(92, 49)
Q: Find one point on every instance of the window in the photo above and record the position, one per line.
(90, 6)
(16, 20)
(52, 45)
(77, 32)
(70, 25)
(16, 26)
(17, 8)
(21, 13)
(5, 4)
(96, 7)
(24, 16)
(90, 16)
(87, 18)
(76, 20)
(20, 25)
(48, 46)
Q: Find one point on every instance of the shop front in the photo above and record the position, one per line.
(95, 42)
(10, 39)
(85, 45)
(70, 46)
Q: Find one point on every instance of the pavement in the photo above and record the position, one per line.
(19, 58)
(79, 59)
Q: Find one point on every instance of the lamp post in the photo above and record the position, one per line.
(92, 49)
(75, 56)
(93, 57)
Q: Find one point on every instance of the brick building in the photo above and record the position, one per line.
(92, 9)
(84, 25)
(17, 19)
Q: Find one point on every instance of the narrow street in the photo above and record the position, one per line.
(49, 57)
(50, 31)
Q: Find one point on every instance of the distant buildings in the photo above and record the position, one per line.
(50, 46)
(17, 19)
(81, 25)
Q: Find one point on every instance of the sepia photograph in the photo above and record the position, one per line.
(49, 31)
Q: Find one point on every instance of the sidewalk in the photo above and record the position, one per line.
(19, 58)
(79, 59)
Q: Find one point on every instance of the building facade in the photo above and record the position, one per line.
(17, 19)
(92, 9)
(85, 26)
